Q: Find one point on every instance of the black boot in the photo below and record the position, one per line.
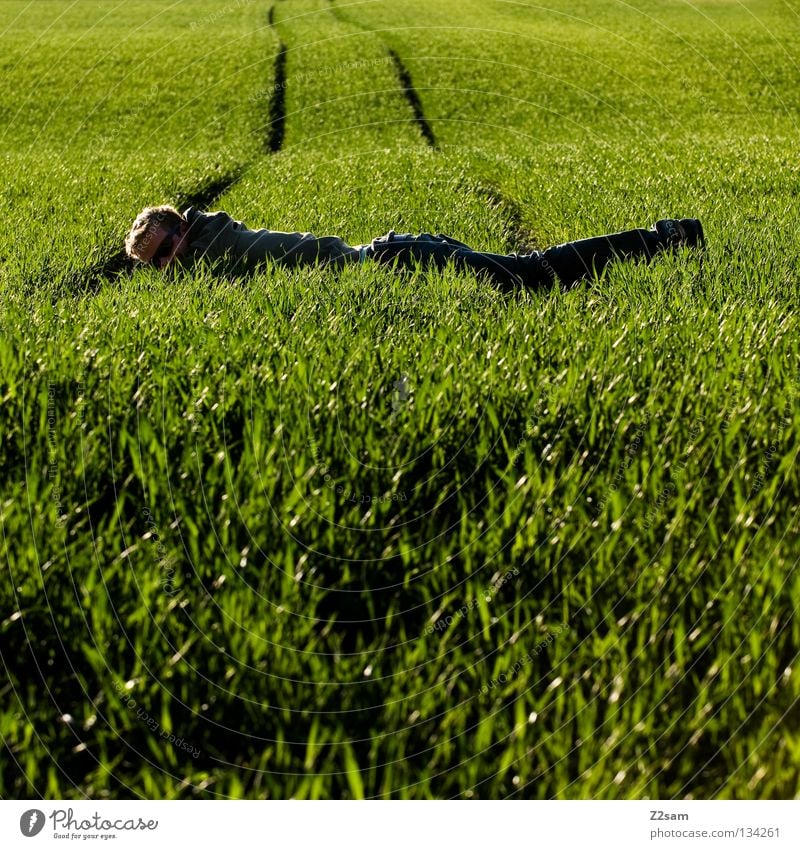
(574, 260)
(680, 232)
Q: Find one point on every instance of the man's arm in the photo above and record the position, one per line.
(217, 237)
(256, 246)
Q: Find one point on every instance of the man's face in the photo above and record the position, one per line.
(166, 244)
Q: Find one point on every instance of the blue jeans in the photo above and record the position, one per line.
(565, 263)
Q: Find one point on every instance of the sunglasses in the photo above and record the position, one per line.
(166, 246)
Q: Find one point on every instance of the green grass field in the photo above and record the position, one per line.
(361, 534)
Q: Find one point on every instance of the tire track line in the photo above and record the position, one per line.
(412, 97)
(276, 125)
(522, 236)
(404, 76)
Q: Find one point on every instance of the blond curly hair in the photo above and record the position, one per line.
(145, 226)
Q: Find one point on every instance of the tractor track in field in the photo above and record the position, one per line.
(117, 264)
(276, 125)
(210, 191)
(412, 97)
(404, 77)
(522, 236)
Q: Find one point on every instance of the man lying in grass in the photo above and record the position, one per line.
(161, 236)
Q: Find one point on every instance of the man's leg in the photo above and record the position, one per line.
(507, 270)
(574, 260)
(567, 263)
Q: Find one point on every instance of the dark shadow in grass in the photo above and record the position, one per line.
(109, 268)
(276, 126)
(208, 192)
(88, 280)
(413, 98)
(521, 236)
